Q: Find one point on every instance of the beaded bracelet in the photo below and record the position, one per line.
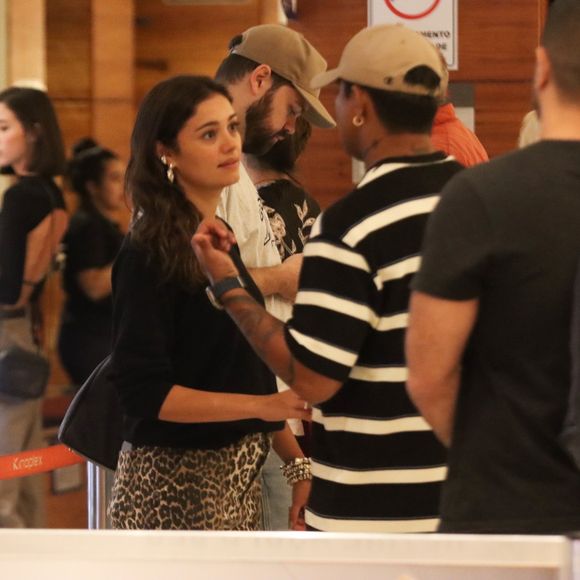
(297, 469)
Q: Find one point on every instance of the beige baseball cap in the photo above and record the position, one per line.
(292, 57)
(380, 56)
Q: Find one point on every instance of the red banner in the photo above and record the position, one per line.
(37, 461)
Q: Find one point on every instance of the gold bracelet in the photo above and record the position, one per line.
(297, 469)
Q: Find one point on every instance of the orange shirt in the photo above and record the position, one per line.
(454, 138)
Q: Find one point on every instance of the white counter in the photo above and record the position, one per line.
(88, 555)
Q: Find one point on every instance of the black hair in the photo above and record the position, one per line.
(403, 112)
(35, 112)
(164, 218)
(559, 38)
(87, 165)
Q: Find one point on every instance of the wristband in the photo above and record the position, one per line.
(215, 292)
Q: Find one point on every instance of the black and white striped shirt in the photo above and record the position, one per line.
(377, 466)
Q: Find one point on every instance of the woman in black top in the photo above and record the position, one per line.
(91, 244)
(200, 406)
(32, 223)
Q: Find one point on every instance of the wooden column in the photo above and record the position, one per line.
(269, 11)
(112, 73)
(26, 41)
(26, 64)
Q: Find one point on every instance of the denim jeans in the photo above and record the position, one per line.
(276, 495)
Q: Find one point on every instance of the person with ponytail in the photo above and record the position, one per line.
(201, 408)
(94, 237)
(91, 244)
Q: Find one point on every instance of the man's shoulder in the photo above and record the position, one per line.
(389, 185)
(511, 171)
(344, 213)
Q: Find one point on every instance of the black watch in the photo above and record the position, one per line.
(215, 292)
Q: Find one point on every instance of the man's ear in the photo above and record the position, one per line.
(260, 80)
(543, 71)
(361, 101)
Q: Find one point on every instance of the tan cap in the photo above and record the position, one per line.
(380, 56)
(292, 57)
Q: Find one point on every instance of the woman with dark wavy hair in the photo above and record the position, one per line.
(200, 406)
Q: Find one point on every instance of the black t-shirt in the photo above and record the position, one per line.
(508, 233)
(25, 205)
(165, 335)
(92, 241)
(291, 212)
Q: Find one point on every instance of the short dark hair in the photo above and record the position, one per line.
(87, 165)
(560, 36)
(403, 112)
(35, 112)
(235, 67)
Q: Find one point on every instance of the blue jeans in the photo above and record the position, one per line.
(276, 495)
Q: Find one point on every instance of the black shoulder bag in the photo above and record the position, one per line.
(93, 423)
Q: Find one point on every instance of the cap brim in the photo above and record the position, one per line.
(316, 112)
(324, 78)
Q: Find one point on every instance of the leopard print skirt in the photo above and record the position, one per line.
(159, 488)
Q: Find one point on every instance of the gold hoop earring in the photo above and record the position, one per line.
(358, 120)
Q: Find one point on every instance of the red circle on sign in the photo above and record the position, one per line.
(401, 14)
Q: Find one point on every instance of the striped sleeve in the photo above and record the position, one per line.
(334, 308)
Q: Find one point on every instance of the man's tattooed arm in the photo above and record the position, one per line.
(265, 333)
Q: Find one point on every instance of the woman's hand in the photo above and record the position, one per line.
(300, 495)
(282, 406)
(211, 243)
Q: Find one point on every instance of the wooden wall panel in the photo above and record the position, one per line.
(500, 108)
(27, 47)
(68, 49)
(112, 73)
(324, 168)
(496, 40)
(68, 65)
(173, 40)
(75, 118)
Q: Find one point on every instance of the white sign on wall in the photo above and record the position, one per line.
(435, 19)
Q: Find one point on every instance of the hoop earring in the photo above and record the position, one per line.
(168, 169)
(358, 120)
